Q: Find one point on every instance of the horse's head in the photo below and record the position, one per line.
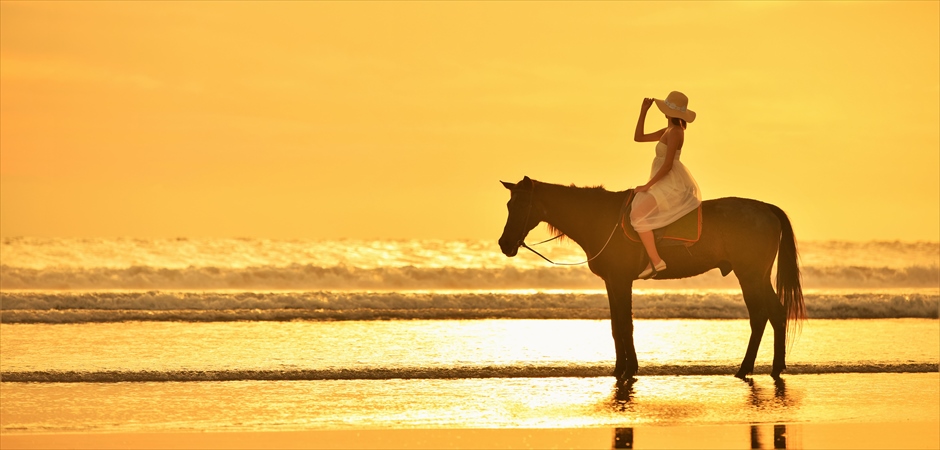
(524, 214)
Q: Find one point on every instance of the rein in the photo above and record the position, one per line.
(522, 243)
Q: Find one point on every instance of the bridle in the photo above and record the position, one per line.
(521, 241)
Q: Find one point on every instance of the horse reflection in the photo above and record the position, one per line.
(623, 438)
(759, 400)
(621, 402)
(623, 396)
(780, 436)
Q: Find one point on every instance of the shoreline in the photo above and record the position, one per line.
(446, 373)
(916, 434)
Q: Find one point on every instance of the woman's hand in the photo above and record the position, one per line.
(640, 135)
(643, 188)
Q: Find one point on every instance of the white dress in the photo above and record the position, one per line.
(670, 198)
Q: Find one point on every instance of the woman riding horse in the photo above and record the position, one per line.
(737, 235)
(671, 191)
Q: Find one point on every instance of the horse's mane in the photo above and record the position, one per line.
(580, 189)
(597, 186)
(555, 231)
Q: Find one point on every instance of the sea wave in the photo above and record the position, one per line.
(180, 253)
(311, 277)
(81, 307)
(413, 373)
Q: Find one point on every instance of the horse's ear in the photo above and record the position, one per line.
(508, 185)
(526, 183)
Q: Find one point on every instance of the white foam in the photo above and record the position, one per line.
(76, 307)
(382, 373)
(309, 277)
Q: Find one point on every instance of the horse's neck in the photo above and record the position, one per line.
(581, 213)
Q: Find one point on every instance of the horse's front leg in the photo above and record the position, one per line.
(620, 296)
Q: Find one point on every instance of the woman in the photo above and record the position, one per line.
(671, 191)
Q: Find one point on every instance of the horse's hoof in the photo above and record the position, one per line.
(742, 374)
(629, 374)
(624, 377)
(618, 373)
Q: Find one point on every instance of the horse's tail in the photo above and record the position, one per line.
(789, 285)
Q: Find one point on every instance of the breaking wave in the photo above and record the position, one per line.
(423, 373)
(312, 277)
(80, 307)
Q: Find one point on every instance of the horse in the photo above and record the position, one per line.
(738, 235)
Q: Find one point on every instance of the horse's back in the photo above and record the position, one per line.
(746, 231)
(740, 214)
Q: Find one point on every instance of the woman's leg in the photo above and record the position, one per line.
(650, 243)
(643, 206)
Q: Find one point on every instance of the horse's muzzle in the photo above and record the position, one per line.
(508, 249)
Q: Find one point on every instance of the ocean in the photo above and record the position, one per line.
(108, 335)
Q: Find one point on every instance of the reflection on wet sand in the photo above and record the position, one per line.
(623, 396)
(623, 438)
(654, 438)
(761, 437)
(622, 402)
(759, 398)
(779, 433)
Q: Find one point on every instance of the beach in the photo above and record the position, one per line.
(830, 436)
(808, 411)
(390, 344)
(399, 224)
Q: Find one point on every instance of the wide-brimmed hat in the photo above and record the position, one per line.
(676, 104)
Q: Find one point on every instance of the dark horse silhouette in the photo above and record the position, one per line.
(738, 234)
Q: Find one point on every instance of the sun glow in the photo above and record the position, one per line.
(396, 120)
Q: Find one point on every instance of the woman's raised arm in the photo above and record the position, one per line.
(639, 135)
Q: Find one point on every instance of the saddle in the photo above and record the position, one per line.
(685, 231)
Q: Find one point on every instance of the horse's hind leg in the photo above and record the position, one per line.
(754, 298)
(763, 304)
(778, 320)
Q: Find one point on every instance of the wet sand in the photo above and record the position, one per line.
(808, 411)
(831, 435)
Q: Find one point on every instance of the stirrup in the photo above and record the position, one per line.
(651, 271)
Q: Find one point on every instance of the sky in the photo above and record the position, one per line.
(388, 120)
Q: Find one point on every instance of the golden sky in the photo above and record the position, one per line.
(397, 120)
